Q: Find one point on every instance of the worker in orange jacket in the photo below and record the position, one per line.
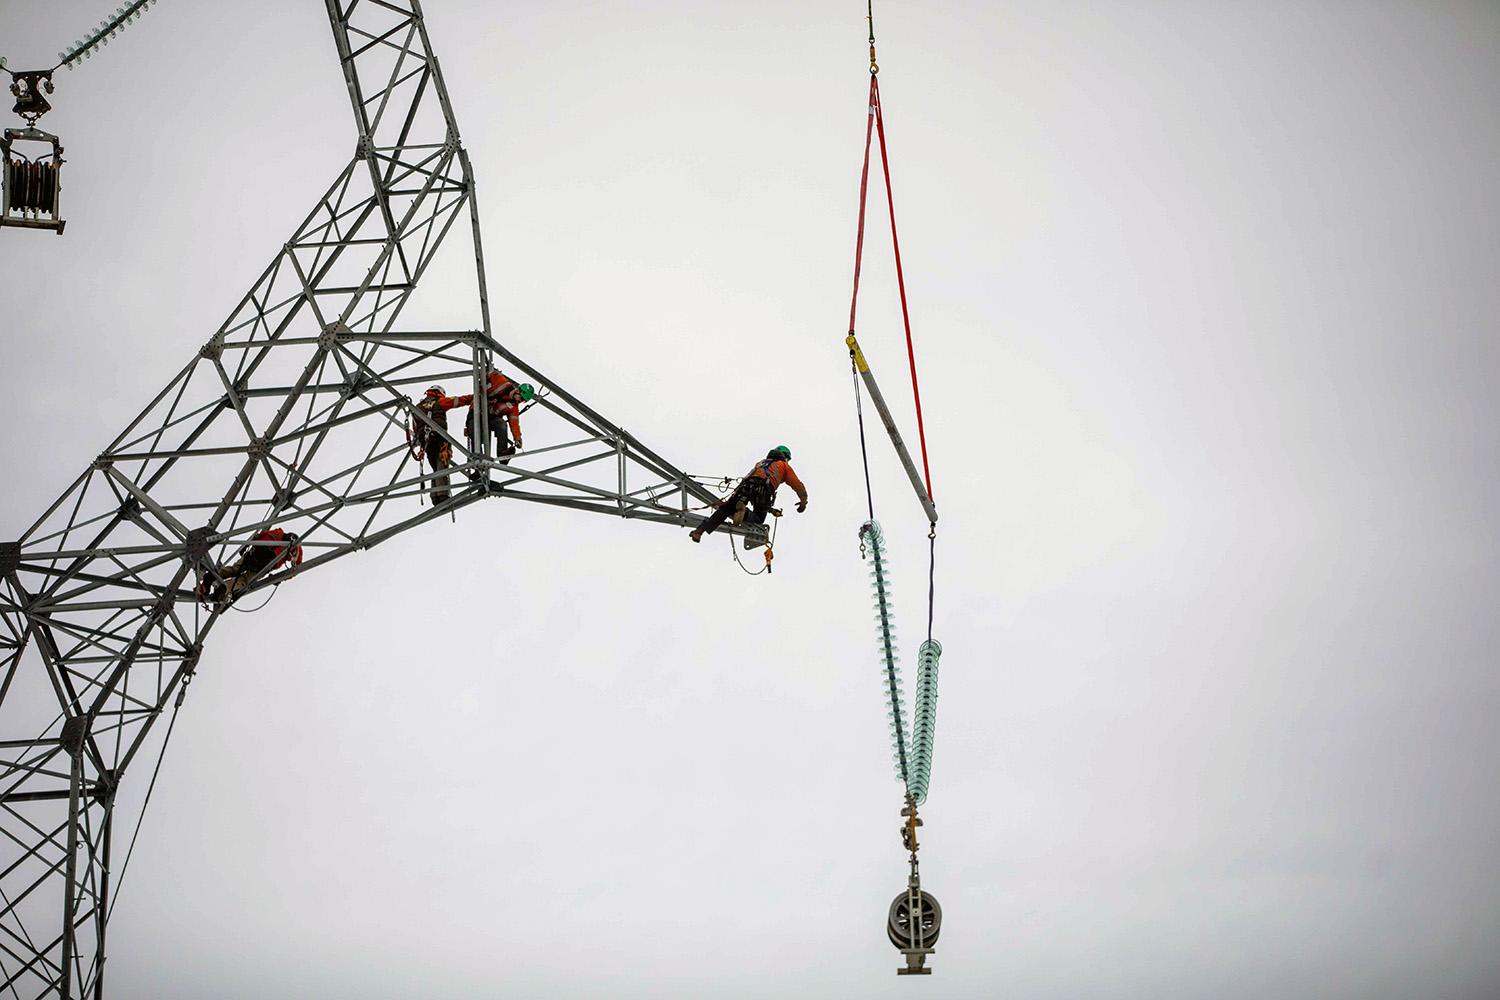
(439, 451)
(756, 492)
(504, 399)
(269, 550)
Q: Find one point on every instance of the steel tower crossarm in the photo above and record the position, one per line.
(294, 413)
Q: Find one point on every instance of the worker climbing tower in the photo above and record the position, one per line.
(294, 415)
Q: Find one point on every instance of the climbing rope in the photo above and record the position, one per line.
(770, 551)
(724, 484)
(160, 756)
(251, 611)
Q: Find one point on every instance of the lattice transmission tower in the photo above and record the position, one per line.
(293, 414)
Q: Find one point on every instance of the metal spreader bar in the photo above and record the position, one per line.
(868, 377)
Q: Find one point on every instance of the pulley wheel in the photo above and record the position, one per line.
(930, 917)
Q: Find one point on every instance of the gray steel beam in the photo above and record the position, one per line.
(889, 421)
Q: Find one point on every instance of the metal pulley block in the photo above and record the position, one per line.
(915, 917)
(913, 925)
(32, 184)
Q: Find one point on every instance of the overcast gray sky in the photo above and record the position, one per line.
(1205, 303)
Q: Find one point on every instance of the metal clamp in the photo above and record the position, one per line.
(915, 917)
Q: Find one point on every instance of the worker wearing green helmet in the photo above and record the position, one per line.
(504, 398)
(753, 497)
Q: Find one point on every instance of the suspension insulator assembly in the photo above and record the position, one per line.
(924, 720)
(885, 635)
(911, 745)
(915, 916)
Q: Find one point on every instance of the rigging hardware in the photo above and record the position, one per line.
(29, 88)
(915, 916)
(32, 184)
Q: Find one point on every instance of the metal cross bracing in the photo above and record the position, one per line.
(293, 415)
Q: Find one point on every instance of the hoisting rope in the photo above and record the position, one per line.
(875, 126)
(864, 452)
(931, 577)
(911, 356)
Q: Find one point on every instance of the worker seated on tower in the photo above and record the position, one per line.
(269, 551)
(504, 399)
(753, 497)
(430, 442)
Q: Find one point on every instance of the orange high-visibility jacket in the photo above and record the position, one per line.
(505, 402)
(294, 558)
(778, 472)
(437, 408)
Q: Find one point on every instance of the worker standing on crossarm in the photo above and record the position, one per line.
(504, 398)
(269, 550)
(438, 449)
(752, 498)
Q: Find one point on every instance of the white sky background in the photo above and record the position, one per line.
(1204, 297)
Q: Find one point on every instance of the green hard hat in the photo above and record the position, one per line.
(527, 391)
(786, 453)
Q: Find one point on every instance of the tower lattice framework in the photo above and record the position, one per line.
(293, 414)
